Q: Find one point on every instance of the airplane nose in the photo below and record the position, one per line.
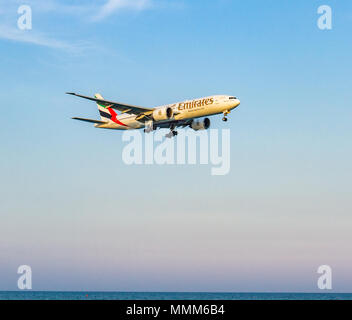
(238, 102)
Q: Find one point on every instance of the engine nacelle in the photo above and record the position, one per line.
(165, 113)
(200, 124)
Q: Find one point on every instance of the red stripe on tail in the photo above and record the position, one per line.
(113, 117)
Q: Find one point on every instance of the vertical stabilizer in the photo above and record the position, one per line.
(104, 112)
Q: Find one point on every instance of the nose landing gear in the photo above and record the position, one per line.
(226, 112)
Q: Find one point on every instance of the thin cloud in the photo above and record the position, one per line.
(29, 36)
(95, 10)
(112, 6)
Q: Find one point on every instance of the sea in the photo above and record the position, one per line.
(90, 295)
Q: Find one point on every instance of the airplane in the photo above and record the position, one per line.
(180, 114)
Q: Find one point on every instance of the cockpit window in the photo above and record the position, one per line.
(232, 98)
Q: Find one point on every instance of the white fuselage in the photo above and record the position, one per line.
(184, 110)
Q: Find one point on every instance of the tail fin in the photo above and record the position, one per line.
(104, 112)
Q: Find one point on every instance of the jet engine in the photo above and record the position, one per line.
(200, 124)
(165, 113)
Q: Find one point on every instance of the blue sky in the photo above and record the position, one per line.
(83, 220)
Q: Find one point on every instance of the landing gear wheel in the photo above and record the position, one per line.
(171, 134)
(225, 113)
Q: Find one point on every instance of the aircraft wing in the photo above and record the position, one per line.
(123, 107)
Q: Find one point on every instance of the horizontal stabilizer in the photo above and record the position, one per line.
(90, 120)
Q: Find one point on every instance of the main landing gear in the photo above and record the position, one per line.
(148, 126)
(172, 132)
(226, 112)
